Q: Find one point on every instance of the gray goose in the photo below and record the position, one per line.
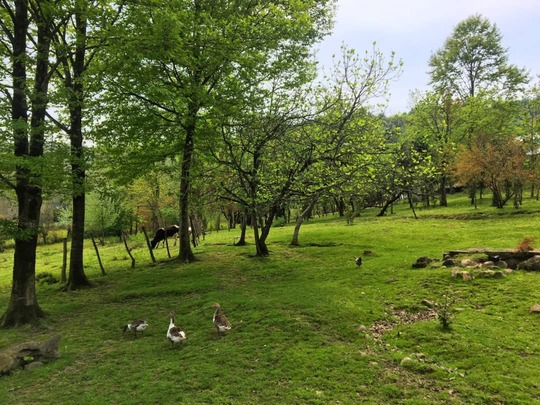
(221, 323)
(174, 333)
(136, 326)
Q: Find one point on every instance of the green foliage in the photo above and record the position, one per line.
(46, 278)
(445, 313)
(474, 61)
(296, 318)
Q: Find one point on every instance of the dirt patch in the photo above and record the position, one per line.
(401, 317)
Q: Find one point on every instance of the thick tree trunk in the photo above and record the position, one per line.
(243, 227)
(23, 305)
(260, 241)
(77, 277)
(444, 201)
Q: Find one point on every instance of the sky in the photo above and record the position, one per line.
(415, 29)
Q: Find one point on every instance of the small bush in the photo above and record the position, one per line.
(445, 313)
(526, 244)
(46, 278)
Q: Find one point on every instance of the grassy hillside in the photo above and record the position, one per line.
(309, 326)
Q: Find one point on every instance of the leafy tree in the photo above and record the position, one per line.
(76, 43)
(19, 21)
(530, 134)
(497, 163)
(184, 63)
(300, 144)
(473, 60)
(435, 121)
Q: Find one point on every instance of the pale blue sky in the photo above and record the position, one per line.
(415, 29)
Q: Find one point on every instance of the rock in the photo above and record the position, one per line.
(490, 274)
(535, 308)
(512, 263)
(501, 264)
(38, 352)
(7, 363)
(468, 263)
(362, 328)
(427, 303)
(464, 275)
(449, 263)
(533, 264)
(422, 262)
(488, 264)
(406, 360)
(33, 365)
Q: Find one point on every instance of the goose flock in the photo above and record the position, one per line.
(175, 334)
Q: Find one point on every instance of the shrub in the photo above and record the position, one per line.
(46, 278)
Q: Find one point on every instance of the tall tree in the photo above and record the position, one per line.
(473, 60)
(184, 61)
(76, 51)
(20, 20)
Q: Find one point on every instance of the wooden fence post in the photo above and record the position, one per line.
(128, 250)
(97, 252)
(148, 244)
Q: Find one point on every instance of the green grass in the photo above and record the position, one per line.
(302, 319)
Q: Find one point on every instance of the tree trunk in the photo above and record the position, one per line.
(308, 207)
(23, 306)
(260, 241)
(186, 254)
(77, 277)
(444, 200)
(340, 206)
(387, 204)
(243, 226)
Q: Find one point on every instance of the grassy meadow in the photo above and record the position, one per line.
(309, 326)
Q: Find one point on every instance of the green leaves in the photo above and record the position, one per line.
(473, 60)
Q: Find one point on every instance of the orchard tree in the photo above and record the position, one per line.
(435, 121)
(184, 63)
(301, 143)
(473, 60)
(497, 163)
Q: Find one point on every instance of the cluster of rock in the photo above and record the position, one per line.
(495, 266)
(29, 355)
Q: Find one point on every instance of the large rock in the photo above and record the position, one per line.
(532, 264)
(29, 352)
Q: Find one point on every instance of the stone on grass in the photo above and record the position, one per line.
(24, 354)
(535, 308)
(532, 264)
(464, 275)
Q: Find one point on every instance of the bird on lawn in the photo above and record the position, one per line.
(174, 333)
(220, 321)
(137, 326)
(358, 260)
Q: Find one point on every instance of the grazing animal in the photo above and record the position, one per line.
(358, 260)
(137, 326)
(174, 333)
(220, 321)
(164, 233)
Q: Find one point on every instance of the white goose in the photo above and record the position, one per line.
(137, 326)
(174, 333)
(220, 321)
